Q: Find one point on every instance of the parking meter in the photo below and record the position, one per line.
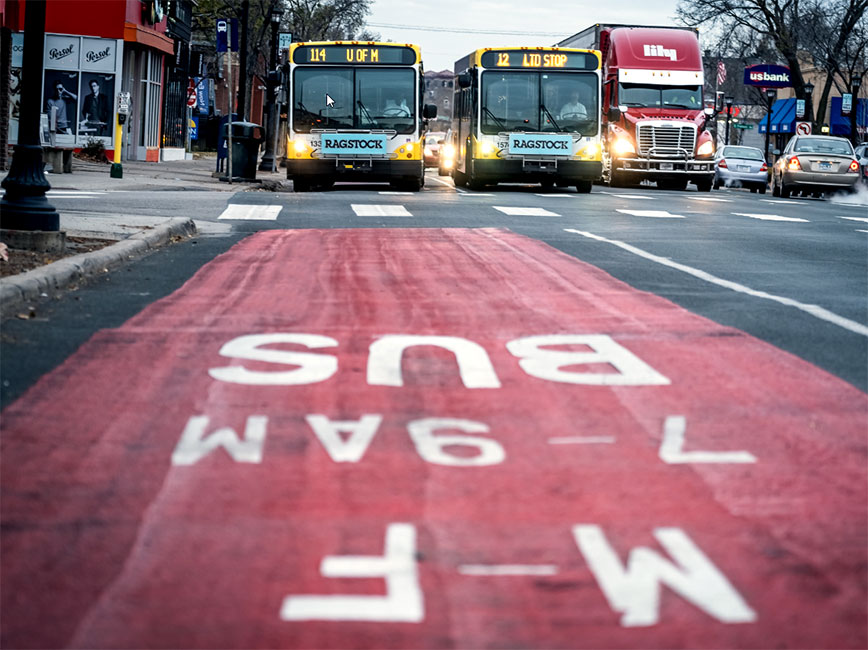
(123, 107)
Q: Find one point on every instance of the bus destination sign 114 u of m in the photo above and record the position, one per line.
(557, 59)
(352, 54)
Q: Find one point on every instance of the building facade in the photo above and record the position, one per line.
(95, 49)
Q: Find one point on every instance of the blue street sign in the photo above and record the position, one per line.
(222, 33)
(194, 128)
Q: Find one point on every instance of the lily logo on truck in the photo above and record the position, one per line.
(660, 51)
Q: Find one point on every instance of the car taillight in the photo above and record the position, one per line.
(793, 164)
(854, 166)
(722, 163)
(764, 168)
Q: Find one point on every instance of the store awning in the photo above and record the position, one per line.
(783, 117)
(840, 124)
(137, 34)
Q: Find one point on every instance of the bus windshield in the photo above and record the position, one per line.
(539, 101)
(651, 96)
(354, 98)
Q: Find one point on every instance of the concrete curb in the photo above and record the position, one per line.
(18, 290)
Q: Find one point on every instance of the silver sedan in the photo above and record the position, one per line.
(736, 166)
(815, 164)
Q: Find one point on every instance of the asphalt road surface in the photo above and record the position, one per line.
(509, 418)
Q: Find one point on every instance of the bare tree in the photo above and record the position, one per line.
(326, 20)
(831, 33)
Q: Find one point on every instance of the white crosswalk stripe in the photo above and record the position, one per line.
(710, 199)
(525, 212)
(641, 197)
(557, 196)
(243, 212)
(865, 219)
(769, 217)
(653, 214)
(378, 210)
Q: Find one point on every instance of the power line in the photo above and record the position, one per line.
(456, 30)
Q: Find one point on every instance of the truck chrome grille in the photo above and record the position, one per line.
(666, 140)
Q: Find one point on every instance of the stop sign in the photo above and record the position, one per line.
(191, 94)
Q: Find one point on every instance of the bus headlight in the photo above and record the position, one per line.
(299, 146)
(623, 146)
(705, 149)
(487, 149)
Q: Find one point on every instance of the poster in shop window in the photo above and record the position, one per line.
(96, 107)
(61, 94)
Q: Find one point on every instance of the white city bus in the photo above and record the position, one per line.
(529, 114)
(356, 114)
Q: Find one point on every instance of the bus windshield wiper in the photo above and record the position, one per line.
(550, 116)
(667, 105)
(365, 111)
(494, 117)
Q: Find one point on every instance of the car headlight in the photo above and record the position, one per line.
(623, 145)
(448, 150)
(705, 149)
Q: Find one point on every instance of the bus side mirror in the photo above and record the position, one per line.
(614, 114)
(429, 112)
(464, 79)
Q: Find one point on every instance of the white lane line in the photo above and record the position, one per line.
(508, 569)
(653, 214)
(474, 193)
(709, 199)
(813, 310)
(525, 212)
(865, 219)
(860, 230)
(781, 201)
(633, 196)
(441, 181)
(397, 193)
(375, 210)
(244, 212)
(73, 193)
(557, 196)
(769, 217)
(582, 440)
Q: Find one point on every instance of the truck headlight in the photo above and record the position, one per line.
(623, 145)
(705, 149)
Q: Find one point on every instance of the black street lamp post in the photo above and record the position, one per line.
(728, 102)
(854, 88)
(809, 104)
(24, 206)
(268, 158)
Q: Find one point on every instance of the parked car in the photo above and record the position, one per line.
(432, 147)
(447, 155)
(862, 157)
(736, 166)
(815, 164)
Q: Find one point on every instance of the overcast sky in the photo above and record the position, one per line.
(528, 22)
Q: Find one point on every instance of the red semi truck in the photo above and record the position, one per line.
(653, 111)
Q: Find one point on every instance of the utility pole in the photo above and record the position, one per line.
(268, 158)
(24, 206)
(728, 102)
(770, 95)
(242, 63)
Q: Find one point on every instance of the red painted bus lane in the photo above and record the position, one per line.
(430, 438)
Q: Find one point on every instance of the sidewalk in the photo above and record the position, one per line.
(135, 236)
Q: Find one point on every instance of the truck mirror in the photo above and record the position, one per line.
(430, 111)
(614, 114)
(465, 79)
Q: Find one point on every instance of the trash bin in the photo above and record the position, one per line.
(246, 138)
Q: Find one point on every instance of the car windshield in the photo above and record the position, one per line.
(651, 96)
(354, 98)
(824, 145)
(539, 101)
(745, 153)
